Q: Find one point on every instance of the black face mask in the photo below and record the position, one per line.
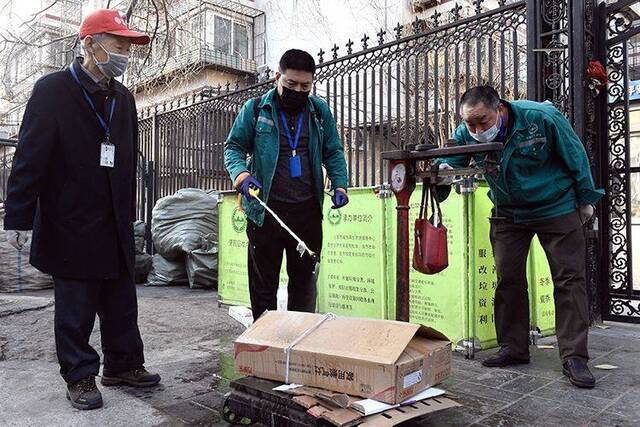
(292, 100)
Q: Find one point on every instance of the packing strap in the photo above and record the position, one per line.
(287, 350)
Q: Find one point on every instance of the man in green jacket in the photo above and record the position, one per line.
(279, 144)
(543, 186)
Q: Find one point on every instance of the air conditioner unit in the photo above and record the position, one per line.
(420, 6)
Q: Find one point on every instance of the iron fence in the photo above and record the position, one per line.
(399, 89)
(7, 149)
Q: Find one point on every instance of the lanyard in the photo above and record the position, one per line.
(293, 143)
(104, 124)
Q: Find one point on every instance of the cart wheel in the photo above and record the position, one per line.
(232, 418)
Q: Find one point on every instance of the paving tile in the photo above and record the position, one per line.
(526, 384)
(483, 392)
(191, 413)
(628, 405)
(460, 416)
(564, 391)
(500, 420)
(527, 409)
(492, 377)
(609, 419)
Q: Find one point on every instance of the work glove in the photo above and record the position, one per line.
(18, 238)
(586, 213)
(444, 180)
(247, 184)
(339, 198)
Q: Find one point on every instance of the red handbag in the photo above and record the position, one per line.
(430, 255)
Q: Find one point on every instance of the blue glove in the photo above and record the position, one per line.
(339, 199)
(247, 184)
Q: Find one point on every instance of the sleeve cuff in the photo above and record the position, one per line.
(589, 197)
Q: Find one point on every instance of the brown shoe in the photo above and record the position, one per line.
(84, 394)
(136, 378)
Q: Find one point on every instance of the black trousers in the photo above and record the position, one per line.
(563, 241)
(266, 247)
(76, 304)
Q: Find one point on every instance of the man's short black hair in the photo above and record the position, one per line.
(481, 94)
(296, 59)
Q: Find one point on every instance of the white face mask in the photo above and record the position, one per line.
(114, 66)
(487, 135)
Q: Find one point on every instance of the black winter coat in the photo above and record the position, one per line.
(81, 213)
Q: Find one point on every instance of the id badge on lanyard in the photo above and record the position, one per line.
(107, 154)
(295, 166)
(107, 149)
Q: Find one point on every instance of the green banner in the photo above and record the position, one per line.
(543, 308)
(358, 268)
(352, 278)
(483, 277)
(435, 300)
(233, 285)
(233, 279)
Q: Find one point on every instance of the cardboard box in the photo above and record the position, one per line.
(383, 360)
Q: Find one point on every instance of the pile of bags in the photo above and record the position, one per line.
(143, 259)
(184, 229)
(16, 274)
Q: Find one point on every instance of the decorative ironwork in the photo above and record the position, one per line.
(349, 46)
(398, 30)
(381, 35)
(365, 42)
(455, 12)
(623, 299)
(554, 43)
(625, 308)
(478, 5)
(398, 92)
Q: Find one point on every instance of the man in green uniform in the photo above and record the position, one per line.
(279, 143)
(543, 186)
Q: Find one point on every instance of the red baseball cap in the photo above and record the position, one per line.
(110, 21)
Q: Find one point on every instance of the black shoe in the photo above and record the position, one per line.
(84, 394)
(504, 358)
(135, 378)
(578, 373)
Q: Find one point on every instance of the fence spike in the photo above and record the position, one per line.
(398, 30)
(456, 12)
(436, 18)
(416, 25)
(478, 5)
(349, 46)
(365, 41)
(381, 35)
(321, 56)
(334, 49)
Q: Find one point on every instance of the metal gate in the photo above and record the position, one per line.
(385, 91)
(621, 161)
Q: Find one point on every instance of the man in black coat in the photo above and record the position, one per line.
(73, 184)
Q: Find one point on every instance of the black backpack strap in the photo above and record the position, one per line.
(256, 107)
(318, 112)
